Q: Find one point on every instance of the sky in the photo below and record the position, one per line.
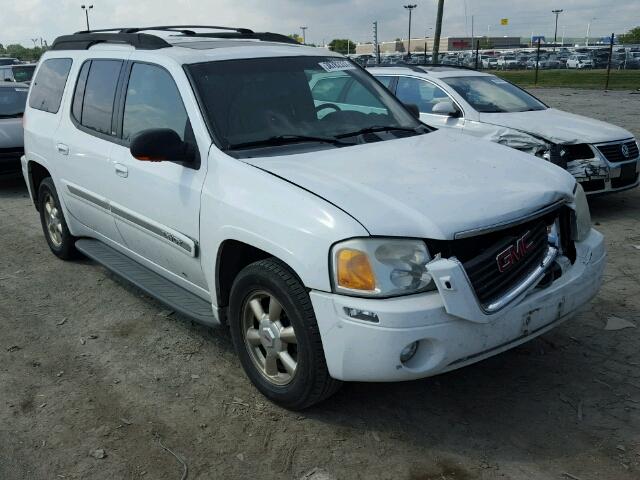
(24, 20)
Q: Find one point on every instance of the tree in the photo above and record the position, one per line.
(342, 45)
(22, 53)
(632, 36)
(296, 37)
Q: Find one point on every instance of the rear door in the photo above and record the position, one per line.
(156, 206)
(84, 143)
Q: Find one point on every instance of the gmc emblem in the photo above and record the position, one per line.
(514, 253)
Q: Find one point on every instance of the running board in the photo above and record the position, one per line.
(167, 292)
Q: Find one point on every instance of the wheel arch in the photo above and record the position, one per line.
(37, 173)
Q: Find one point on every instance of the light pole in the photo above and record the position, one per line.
(86, 13)
(555, 35)
(304, 35)
(410, 8)
(586, 41)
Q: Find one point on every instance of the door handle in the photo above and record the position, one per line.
(121, 170)
(62, 149)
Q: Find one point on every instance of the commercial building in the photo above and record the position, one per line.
(447, 44)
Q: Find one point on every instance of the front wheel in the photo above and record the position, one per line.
(276, 336)
(60, 240)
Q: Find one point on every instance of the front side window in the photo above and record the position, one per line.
(12, 101)
(421, 93)
(48, 87)
(99, 95)
(489, 94)
(260, 101)
(153, 101)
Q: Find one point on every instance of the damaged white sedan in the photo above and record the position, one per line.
(602, 157)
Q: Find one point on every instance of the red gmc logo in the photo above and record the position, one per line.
(514, 253)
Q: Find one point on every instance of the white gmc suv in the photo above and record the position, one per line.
(339, 242)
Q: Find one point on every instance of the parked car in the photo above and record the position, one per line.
(17, 73)
(489, 62)
(13, 98)
(9, 61)
(337, 236)
(579, 61)
(508, 62)
(602, 157)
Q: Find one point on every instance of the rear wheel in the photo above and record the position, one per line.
(276, 336)
(60, 240)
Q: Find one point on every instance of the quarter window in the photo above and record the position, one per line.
(48, 87)
(153, 101)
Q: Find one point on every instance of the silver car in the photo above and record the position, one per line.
(13, 97)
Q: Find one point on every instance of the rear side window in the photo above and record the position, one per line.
(153, 101)
(48, 87)
(12, 101)
(98, 96)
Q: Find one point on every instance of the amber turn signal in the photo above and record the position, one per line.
(354, 270)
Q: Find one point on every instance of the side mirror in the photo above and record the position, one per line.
(413, 108)
(161, 144)
(445, 108)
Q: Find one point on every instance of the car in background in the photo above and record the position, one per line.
(602, 157)
(13, 97)
(9, 61)
(17, 73)
(489, 62)
(508, 62)
(579, 62)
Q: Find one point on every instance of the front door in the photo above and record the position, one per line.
(426, 95)
(156, 205)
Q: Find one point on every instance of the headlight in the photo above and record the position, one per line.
(582, 225)
(380, 267)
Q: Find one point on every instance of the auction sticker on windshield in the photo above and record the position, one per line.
(337, 65)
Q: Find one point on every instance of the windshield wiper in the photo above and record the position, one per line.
(378, 128)
(286, 140)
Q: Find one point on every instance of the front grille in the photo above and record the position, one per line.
(478, 256)
(614, 154)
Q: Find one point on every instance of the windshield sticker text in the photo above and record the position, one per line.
(337, 65)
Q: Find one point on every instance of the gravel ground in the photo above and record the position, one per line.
(95, 378)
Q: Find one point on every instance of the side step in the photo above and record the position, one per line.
(179, 299)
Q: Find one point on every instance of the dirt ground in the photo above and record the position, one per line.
(90, 367)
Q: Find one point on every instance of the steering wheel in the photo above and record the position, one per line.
(335, 107)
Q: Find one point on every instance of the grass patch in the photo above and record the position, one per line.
(593, 79)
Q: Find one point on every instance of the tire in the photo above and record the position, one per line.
(54, 225)
(252, 297)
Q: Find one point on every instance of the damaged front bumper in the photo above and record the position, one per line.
(360, 350)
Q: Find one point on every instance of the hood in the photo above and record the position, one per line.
(427, 186)
(11, 134)
(558, 126)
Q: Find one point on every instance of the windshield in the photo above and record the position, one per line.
(12, 101)
(258, 102)
(493, 95)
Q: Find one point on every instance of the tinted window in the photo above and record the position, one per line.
(329, 89)
(359, 95)
(386, 81)
(418, 92)
(12, 101)
(153, 101)
(23, 74)
(99, 95)
(48, 87)
(78, 96)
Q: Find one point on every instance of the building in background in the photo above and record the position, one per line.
(447, 44)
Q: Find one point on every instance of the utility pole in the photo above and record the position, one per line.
(555, 36)
(86, 13)
(376, 45)
(304, 35)
(472, 37)
(410, 8)
(586, 41)
(436, 38)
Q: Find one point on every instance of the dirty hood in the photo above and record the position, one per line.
(427, 186)
(558, 126)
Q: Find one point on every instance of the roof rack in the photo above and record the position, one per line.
(133, 36)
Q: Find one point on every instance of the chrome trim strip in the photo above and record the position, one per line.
(88, 197)
(529, 282)
(511, 223)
